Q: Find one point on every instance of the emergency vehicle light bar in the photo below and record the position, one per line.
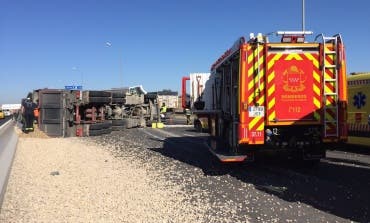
(293, 36)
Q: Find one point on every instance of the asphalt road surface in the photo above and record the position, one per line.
(4, 120)
(271, 189)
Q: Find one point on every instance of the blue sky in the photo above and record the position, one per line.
(154, 42)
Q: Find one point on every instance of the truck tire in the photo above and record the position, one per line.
(97, 132)
(101, 125)
(118, 94)
(100, 100)
(99, 94)
(118, 128)
(120, 122)
(118, 100)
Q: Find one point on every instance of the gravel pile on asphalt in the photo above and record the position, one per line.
(74, 180)
(190, 182)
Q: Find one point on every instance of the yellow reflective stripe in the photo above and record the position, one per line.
(293, 56)
(272, 61)
(271, 77)
(271, 103)
(261, 101)
(313, 59)
(272, 116)
(261, 127)
(253, 122)
(316, 102)
(316, 90)
(316, 76)
(271, 90)
(328, 90)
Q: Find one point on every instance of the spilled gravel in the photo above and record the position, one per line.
(76, 180)
(148, 175)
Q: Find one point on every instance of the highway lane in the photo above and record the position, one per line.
(8, 142)
(4, 120)
(270, 190)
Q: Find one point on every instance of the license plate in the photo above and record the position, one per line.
(256, 111)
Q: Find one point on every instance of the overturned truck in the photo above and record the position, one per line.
(66, 113)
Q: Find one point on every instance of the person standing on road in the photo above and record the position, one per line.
(163, 110)
(188, 115)
(28, 114)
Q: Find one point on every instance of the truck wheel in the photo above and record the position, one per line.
(98, 132)
(102, 125)
(118, 100)
(99, 94)
(120, 123)
(118, 128)
(100, 100)
(118, 94)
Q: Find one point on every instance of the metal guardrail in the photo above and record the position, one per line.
(8, 145)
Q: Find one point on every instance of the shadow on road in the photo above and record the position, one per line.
(342, 190)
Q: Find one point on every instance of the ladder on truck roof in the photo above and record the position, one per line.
(330, 62)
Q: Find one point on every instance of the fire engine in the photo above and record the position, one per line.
(288, 95)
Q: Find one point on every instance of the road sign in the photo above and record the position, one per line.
(73, 87)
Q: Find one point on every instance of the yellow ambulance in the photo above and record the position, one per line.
(359, 109)
(2, 115)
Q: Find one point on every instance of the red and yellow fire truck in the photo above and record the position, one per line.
(289, 95)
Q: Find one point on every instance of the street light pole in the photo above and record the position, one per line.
(303, 16)
(120, 61)
(82, 75)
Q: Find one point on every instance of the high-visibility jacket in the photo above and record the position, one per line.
(163, 109)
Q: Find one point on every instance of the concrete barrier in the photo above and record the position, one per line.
(8, 145)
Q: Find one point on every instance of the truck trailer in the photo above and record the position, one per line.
(288, 95)
(65, 113)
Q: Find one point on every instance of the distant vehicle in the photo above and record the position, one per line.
(287, 96)
(2, 115)
(7, 112)
(359, 108)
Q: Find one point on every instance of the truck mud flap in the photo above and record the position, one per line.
(219, 150)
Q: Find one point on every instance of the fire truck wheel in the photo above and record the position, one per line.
(99, 94)
(100, 100)
(102, 125)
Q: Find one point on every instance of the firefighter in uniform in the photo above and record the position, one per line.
(28, 114)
